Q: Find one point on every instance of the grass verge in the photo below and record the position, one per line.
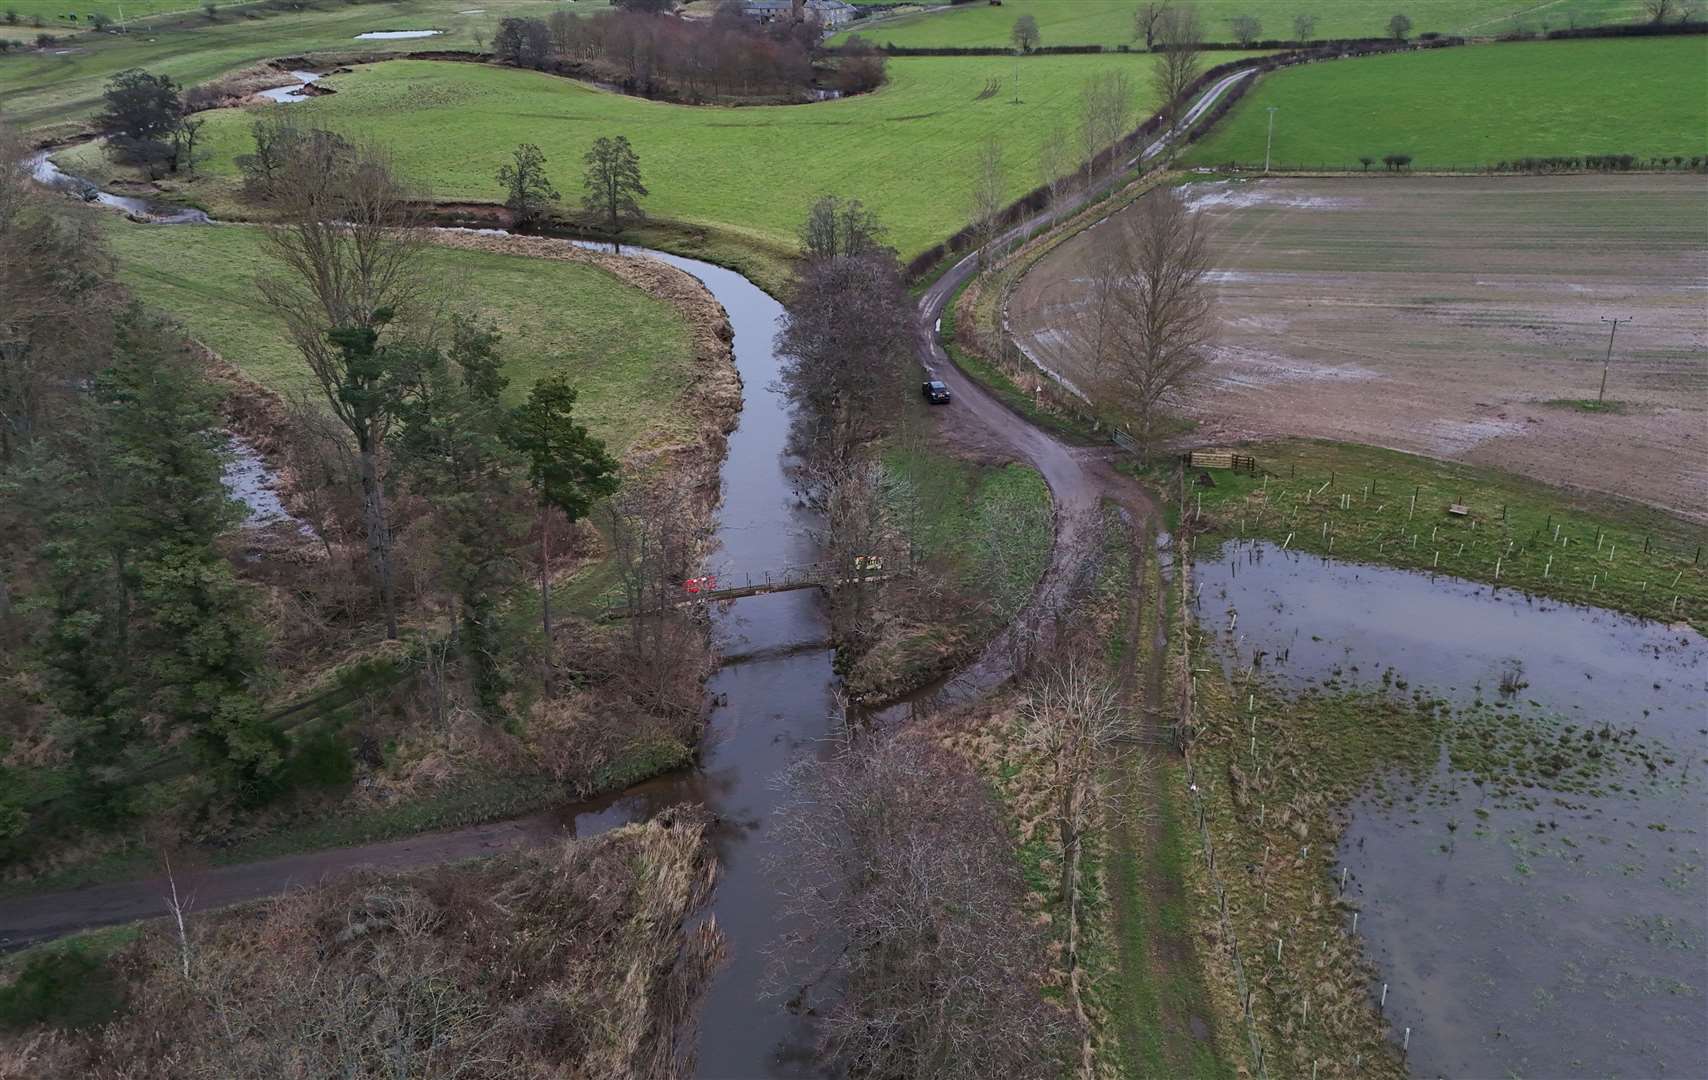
(1379, 506)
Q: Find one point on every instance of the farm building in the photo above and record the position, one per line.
(831, 14)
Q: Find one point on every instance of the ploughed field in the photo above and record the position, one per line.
(1475, 106)
(909, 150)
(1452, 317)
(1110, 22)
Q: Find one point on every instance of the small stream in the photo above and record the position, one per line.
(299, 92)
(1535, 932)
(45, 172)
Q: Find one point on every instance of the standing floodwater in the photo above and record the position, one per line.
(1528, 927)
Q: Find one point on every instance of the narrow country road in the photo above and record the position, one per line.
(1079, 478)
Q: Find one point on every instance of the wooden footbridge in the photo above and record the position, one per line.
(715, 588)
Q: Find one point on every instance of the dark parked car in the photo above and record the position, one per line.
(936, 393)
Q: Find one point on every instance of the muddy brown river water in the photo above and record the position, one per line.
(1553, 934)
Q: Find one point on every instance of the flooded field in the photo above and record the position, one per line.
(1538, 904)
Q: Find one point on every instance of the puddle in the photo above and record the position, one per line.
(1241, 366)
(395, 35)
(249, 481)
(1240, 195)
(293, 93)
(1548, 930)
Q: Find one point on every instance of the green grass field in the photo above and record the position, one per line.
(1477, 105)
(908, 149)
(1110, 22)
(40, 88)
(555, 316)
(1607, 553)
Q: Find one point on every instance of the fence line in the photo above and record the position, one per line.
(1184, 732)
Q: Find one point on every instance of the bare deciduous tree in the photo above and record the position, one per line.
(55, 311)
(349, 250)
(858, 499)
(847, 346)
(179, 901)
(1399, 26)
(1055, 163)
(1159, 324)
(1145, 21)
(654, 553)
(990, 180)
(1025, 34)
(835, 227)
(1246, 29)
(1659, 11)
(1304, 26)
(1105, 113)
(1073, 720)
(906, 891)
(1178, 35)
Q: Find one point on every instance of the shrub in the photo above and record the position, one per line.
(63, 987)
(321, 760)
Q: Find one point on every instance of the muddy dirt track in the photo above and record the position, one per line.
(1452, 317)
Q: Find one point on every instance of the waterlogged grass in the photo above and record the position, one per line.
(1475, 106)
(610, 338)
(1110, 22)
(1368, 505)
(992, 527)
(1277, 771)
(749, 174)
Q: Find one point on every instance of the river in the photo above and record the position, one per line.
(772, 708)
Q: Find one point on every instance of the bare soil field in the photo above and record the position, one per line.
(1455, 317)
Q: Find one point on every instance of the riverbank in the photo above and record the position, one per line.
(410, 780)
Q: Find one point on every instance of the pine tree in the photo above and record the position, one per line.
(452, 451)
(150, 628)
(568, 469)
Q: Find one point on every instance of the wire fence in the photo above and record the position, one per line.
(1375, 167)
(1185, 727)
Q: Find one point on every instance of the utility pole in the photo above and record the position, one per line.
(1271, 140)
(1609, 358)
